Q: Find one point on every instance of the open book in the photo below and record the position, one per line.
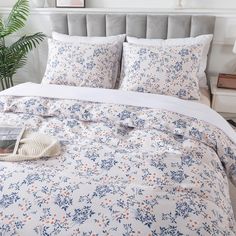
(9, 139)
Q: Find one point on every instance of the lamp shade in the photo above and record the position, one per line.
(234, 48)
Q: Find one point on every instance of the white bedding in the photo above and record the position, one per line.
(205, 96)
(199, 110)
(131, 164)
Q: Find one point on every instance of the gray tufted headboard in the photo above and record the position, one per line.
(142, 25)
(137, 25)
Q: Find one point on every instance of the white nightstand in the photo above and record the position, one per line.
(223, 100)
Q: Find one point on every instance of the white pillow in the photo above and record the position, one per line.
(168, 70)
(85, 39)
(81, 64)
(203, 41)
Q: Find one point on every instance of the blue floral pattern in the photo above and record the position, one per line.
(123, 170)
(168, 70)
(81, 64)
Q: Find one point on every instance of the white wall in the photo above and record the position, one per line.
(146, 3)
(162, 3)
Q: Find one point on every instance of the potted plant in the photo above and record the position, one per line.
(13, 57)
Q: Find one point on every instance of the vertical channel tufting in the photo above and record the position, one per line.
(96, 25)
(115, 24)
(179, 26)
(136, 25)
(77, 24)
(157, 26)
(59, 23)
(202, 25)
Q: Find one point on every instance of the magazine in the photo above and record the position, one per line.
(9, 139)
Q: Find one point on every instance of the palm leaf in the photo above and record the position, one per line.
(1, 24)
(6, 62)
(10, 62)
(19, 62)
(27, 43)
(1, 44)
(14, 57)
(16, 19)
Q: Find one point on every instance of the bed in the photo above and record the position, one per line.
(131, 163)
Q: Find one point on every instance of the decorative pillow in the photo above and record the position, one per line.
(80, 64)
(169, 70)
(117, 39)
(203, 40)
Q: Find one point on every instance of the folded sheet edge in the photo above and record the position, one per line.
(184, 107)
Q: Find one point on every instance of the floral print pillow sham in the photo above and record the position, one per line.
(167, 70)
(81, 64)
(117, 39)
(203, 40)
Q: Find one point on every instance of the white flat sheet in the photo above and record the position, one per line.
(205, 96)
(188, 108)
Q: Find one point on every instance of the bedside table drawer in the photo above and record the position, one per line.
(224, 103)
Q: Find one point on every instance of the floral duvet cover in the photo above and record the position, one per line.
(123, 170)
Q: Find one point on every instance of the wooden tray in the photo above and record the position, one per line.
(226, 81)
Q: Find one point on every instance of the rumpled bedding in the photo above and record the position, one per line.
(123, 170)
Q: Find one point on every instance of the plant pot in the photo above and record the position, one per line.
(6, 83)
